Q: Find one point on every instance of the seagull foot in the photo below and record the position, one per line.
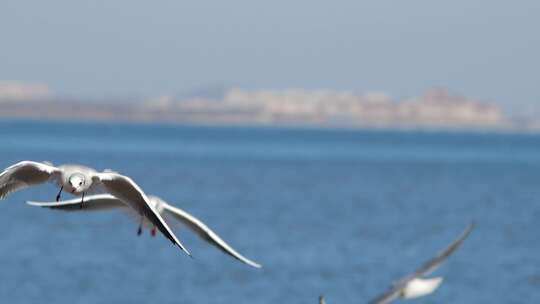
(153, 232)
(139, 232)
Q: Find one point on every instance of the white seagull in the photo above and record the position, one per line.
(414, 285)
(79, 180)
(107, 201)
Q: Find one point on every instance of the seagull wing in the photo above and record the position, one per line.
(91, 203)
(389, 295)
(395, 290)
(126, 190)
(436, 261)
(205, 233)
(24, 174)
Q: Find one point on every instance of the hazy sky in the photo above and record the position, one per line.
(487, 49)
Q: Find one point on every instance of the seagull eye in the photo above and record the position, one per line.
(80, 183)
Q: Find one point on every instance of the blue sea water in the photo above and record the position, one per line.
(340, 213)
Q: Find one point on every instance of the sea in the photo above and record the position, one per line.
(339, 213)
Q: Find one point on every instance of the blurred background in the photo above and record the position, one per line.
(339, 144)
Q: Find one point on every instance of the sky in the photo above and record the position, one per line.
(485, 49)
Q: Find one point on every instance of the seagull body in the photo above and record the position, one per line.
(420, 287)
(414, 285)
(79, 180)
(167, 211)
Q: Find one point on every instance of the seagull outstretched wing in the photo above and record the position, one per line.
(130, 193)
(91, 203)
(205, 233)
(24, 174)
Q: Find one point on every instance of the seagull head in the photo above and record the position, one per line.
(77, 183)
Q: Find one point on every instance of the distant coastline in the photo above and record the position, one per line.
(436, 109)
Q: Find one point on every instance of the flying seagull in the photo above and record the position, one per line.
(415, 285)
(167, 211)
(79, 180)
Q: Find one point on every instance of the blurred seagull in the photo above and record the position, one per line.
(414, 285)
(79, 180)
(106, 201)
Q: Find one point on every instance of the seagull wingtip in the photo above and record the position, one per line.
(185, 251)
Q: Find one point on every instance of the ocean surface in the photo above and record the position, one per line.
(339, 213)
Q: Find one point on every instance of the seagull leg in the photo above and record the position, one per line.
(59, 193)
(82, 200)
(153, 232)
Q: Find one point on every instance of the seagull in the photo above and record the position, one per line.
(78, 180)
(414, 285)
(167, 211)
